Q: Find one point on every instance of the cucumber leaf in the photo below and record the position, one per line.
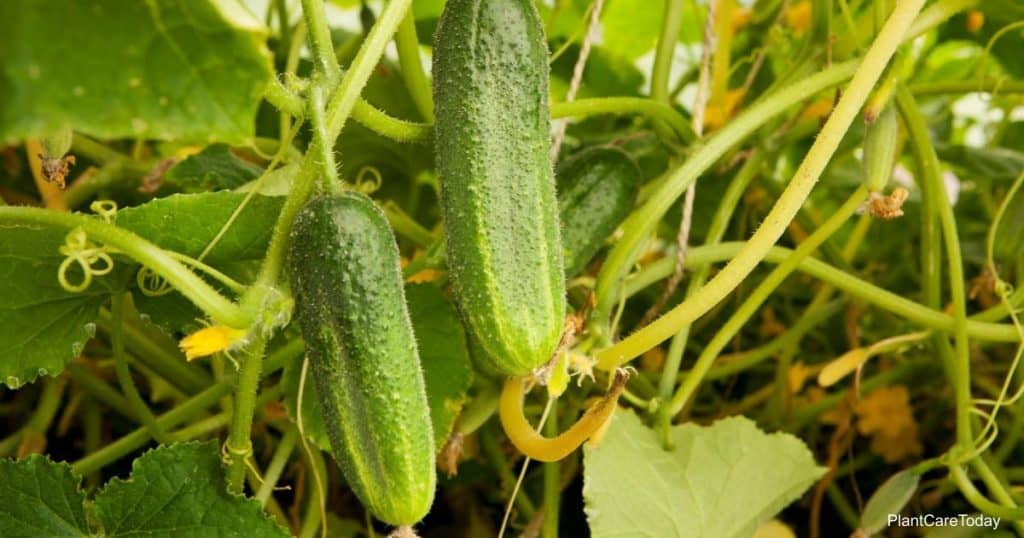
(720, 481)
(42, 325)
(40, 498)
(192, 70)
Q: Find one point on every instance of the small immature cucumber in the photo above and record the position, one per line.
(350, 305)
(497, 186)
(880, 141)
(596, 189)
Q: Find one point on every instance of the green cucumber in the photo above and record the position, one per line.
(497, 185)
(880, 143)
(350, 305)
(596, 189)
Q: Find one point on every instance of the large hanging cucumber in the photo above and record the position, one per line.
(350, 305)
(596, 189)
(497, 186)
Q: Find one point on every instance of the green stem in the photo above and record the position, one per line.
(716, 231)
(184, 411)
(239, 445)
(124, 375)
(748, 359)
(552, 480)
(321, 143)
(416, 81)
(94, 151)
(581, 108)
(978, 500)
(407, 227)
(639, 225)
(113, 174)
(320, 40)
(991, 85)
(671, 21)
(758, 296)
(100, 390)
(804, 179)
(917, 130)
(282, 453)
(167, 363)
(343, 100)
(174, 272)
(851, 285)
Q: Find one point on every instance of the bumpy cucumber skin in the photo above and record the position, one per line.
(596, 189)
(350, 305)
(497, 184)
(880, 141)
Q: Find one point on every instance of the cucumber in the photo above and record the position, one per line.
(880, 143)
(497, 185)
(350, 305)
(596, 189)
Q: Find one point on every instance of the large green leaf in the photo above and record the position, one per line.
(40, 498)
(179, 490)
(187, 223)
(720, 481)
(447, 370)
(161, 69)
(42, 325)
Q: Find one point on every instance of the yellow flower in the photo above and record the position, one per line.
(798, 17)
(210, 340)
(975, 20)
(719, 111)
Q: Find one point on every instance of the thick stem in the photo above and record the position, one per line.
(124, 375)
(758, 296)
(855, 287)
(416, 81)
(340, 107)
(781, 214)
(239, 446)
(174, 272)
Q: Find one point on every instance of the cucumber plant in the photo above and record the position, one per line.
(261, 270)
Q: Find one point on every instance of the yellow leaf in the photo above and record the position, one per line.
(774, 529)
(843, 366)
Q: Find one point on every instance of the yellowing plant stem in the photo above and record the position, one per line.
(534, 445)
(788, 204)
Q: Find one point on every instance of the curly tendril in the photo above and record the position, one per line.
(368, 180)
(150, 283)
(92, 259)
(106, 209)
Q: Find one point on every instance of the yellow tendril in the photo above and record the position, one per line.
(536, 446)
(92, 259)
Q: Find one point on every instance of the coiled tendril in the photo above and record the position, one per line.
(368, 180)
(92, 259)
